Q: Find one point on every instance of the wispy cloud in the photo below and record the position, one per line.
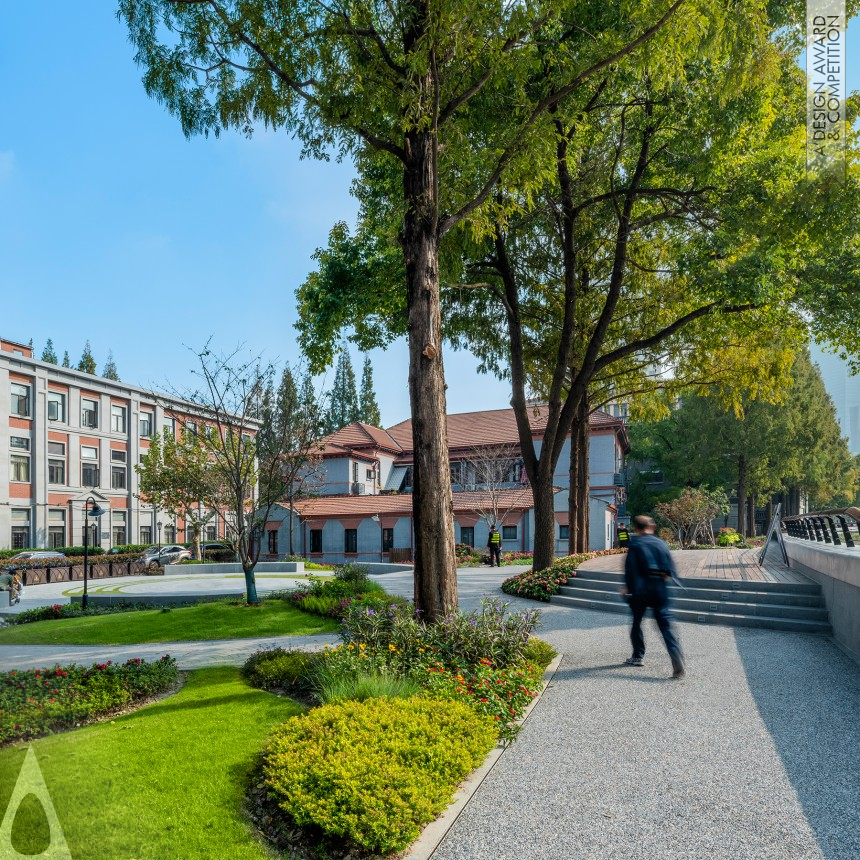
(7, 164)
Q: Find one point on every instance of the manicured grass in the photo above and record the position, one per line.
(219, 620)
(165, 782)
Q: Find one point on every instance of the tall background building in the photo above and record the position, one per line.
(845, 391)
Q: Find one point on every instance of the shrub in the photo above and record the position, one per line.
(355, 575)
(405, 759)
(71, 551)
(279, 667)
(40, 701)
(543, 584)
(502, 694)
(517, 557)
(728, 537)
(362, 686)
(539, 653)
(460, 638)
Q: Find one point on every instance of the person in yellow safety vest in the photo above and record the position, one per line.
(623, 536)
(494, 542)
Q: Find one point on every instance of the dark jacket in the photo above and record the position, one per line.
(647, 556)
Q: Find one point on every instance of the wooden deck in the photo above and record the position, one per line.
(731, 564)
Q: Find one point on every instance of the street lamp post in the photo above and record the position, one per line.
(95, 512)
(377, 519)
(158, 526)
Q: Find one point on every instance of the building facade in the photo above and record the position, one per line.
(364, 510)
(68, 436)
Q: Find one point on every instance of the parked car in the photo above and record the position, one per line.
(214, 547)
(37, 555)
(171, 554)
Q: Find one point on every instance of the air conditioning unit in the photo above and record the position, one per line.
(358, 489)
(618, 479)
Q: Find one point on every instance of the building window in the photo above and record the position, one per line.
(387, 539)
(170, 426)
(20, 528)
(145, 425)
(89, 474)
(20, 400)
(211, 533)
(56, 406)
(564, 532)
(369, 474)
(19, 468)
(118, 456)
(89, 452)
(57, 472)
(146, 534)
(57, 449)
(191, 427)
(118, 528)
(56, 529)
(273, 542)
(509, 532)
(22, 443)
(117, 419)
(467, 535)
(117, 477)
(89, 413)
(316, 540)
(455, 472)
(350, 540)
(170, 534)
(355, 473)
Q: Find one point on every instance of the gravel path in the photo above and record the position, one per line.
(755, 755)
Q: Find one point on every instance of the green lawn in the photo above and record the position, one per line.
(218, 620)
(165, 782)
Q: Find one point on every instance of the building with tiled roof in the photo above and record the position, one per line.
(364, 511)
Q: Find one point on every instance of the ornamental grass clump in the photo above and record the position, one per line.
(37, 702)
(374, 772)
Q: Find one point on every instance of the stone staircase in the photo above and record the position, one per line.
(774, 605)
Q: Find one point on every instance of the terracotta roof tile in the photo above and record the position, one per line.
(357, 435)
(358, 506)
(491, 427)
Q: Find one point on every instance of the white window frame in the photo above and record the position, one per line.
(90, 464)
(15, 400)
(19, 460)
(84, 411)
(118, 418)
(60, 398)
(118, 456)
(119, 470)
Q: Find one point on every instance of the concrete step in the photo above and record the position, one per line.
(714, 595)
(738, 606)
(711, 583)
(723, 618)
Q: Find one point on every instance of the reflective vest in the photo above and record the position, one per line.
(623, 536)
(495, 538)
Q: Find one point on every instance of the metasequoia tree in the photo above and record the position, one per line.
(395, 84)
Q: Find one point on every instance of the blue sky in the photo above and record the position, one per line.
(116, 229)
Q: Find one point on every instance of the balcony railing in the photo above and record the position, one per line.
(825, 526)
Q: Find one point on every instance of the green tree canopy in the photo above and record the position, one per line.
(343, 405)
(368, 408)
(87, 363)
(48, 353)
(110, 371)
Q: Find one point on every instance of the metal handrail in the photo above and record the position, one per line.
(822, 525)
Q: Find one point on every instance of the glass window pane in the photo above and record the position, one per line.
(19, 468)
(20, 442)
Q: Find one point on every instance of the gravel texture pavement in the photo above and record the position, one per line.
(755, 755)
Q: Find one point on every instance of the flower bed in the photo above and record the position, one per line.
(36, 702)
(543, 584)
(405, 759)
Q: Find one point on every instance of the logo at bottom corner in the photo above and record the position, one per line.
(31, 781)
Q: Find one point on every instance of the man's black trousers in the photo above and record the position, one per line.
(656, 598)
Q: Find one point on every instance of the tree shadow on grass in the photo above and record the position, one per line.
(808, 694)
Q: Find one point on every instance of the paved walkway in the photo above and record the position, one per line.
(716, 564)
(754, 756)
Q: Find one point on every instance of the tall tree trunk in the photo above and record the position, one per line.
(751, 515)
(432, 502)
(250, 585)
(580, 487)
(742, 494)
(544, 508)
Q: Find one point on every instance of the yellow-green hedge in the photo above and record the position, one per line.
(375, 771)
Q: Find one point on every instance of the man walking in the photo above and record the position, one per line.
(494, 542)
(648, 568)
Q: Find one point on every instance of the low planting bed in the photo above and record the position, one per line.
(543, 584)
(37, 702)
(403, 712)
